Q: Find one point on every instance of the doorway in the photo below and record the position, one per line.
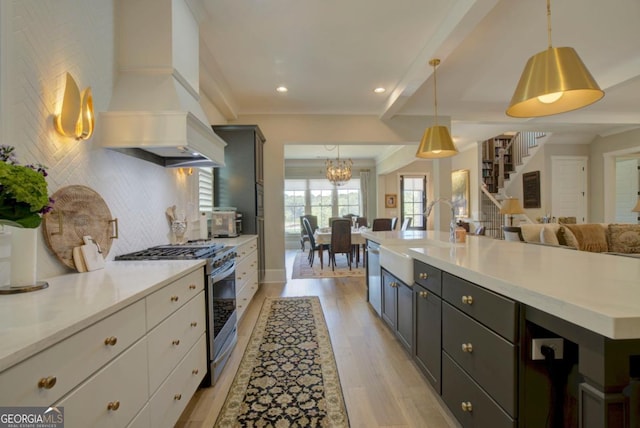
(569, 190)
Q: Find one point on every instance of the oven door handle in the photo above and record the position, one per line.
(222, 275)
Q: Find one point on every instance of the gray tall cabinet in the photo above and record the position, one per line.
(240, 183)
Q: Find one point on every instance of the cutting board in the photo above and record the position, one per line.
(78, 211)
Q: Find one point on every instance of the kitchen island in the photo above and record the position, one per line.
(124, 344)
(513, 293)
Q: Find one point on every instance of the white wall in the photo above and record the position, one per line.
(40, 41)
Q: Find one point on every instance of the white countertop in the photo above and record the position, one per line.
(599, 292)
(30, 322)
(401, 237)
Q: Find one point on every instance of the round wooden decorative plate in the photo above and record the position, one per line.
(78, 211)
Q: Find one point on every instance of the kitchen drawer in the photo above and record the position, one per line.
(141, 420)
(428, 277)
(166, 405)
(165, 301)
(246, 268)
(170, 341)
(486, 357)
(459, 390)
(428, 326)
(245, 295)
(72, 360)
(244, 250)
(496, 312)
(122, 383)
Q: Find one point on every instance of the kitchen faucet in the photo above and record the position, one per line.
(452, 224)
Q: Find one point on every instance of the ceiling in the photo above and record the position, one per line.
(332, 54)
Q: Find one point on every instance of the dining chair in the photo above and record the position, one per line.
(340, 242)
(304, 236)
(380, 224)
(406, 223)
(312, 243)
(361, 221)
(394, 223)
(332, 219)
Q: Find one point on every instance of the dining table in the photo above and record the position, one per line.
(322, 236)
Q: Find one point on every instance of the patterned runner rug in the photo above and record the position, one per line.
(301, 268)
(288, 375)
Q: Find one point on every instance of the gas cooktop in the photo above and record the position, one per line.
(190, 250)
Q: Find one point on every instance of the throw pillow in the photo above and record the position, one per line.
(624, 238)
(586, 237)
(548, 236)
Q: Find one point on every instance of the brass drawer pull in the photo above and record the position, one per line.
(194, 324)
(111, 341)
(177, 397)
(467, 347)
(195, 371)
(466, 406)
(467, 300)
(423, 275)
(113, 405)
(47, 382)
(174, 298)
(176, 342)
(192, 287)
(424, 294)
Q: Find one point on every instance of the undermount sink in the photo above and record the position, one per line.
(398, 262)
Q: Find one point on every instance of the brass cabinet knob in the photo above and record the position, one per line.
(467, 300)
(111, 341)
(177, 397)
(423, 275)
(195, 371)
(466, 406)
(113, 405)
(467, 347)
(47, 382)
(192, 286)
(194, 324)
(174, 298)
(175, 342)
(423, 294)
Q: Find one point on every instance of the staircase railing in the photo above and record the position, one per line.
(491, 217)
(521, 143)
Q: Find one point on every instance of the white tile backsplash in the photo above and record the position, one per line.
(42, 41)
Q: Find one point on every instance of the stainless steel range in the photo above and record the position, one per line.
(220, 294)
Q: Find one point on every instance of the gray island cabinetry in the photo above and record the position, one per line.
(428, 323)
(397, 308)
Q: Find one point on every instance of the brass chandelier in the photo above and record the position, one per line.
(339, 173)
(553, 81)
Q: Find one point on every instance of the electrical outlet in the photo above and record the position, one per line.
(557, 344)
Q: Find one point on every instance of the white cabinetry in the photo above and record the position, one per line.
(246, 274)
(135, 367)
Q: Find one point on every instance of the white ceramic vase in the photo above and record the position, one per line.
(24, 256)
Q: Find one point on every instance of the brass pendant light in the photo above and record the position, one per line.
(436, 141)
(553, 81)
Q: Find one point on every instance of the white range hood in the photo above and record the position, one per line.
(155, 113)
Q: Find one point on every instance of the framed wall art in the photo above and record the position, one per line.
(390, 200)
(460, 192)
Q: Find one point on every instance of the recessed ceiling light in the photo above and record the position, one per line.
(379, 90)
(282, 89)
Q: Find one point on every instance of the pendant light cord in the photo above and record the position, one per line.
(549, 22)
(434, 63)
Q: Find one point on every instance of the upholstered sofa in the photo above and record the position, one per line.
(594, 237)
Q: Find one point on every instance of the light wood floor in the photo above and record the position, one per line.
(381, 385)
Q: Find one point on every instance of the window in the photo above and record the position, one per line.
(413, 202)
(294, 203)
(320, 198)
(205, 189)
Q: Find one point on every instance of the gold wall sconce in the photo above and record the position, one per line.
(186, 171)
(76, 118)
